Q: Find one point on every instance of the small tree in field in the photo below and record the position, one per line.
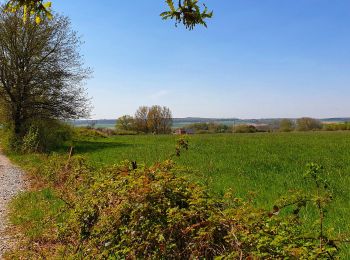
(166, 120)
(126, 123)
(286, 125)
(155, 119)
(308, 124)
(141, 115)
(41, 72)
(159, 120)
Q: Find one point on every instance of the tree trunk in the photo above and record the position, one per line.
(18, 123)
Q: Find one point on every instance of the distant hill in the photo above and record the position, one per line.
(96, 122)
(335, 120)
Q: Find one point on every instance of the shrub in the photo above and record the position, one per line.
(308, 124)
(286, 125)
(336, 126)
(137, 212)
(244, 129)
(52, 134)
(125, 123)
(40, 136)
(198, 126)
(31, 140)
(212, 127)
(9, 141)
(218, 128)
(264, 128)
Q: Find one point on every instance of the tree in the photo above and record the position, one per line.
(155, 119)
(187, 12)
(141, 116)
(41, 71)
(3, 113)
(286, 125)
(166, 120)
(308, 124)
(126, 123)
(159, 120)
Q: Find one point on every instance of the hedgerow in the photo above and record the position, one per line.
(132, 211)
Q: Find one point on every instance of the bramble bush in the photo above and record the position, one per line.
(132, 211)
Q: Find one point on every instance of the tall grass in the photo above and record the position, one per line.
(266, 165)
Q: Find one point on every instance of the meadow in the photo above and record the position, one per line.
(261, 166)
(268, 165)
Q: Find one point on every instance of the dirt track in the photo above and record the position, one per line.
(11, 183)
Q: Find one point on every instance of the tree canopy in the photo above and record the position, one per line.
(154, 119)
(188, 12)
(41, 71)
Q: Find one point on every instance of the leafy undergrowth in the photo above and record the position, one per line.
(130, 211)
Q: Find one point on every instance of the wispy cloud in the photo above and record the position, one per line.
(159, 94)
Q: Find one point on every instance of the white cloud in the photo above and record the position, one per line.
(159, 94)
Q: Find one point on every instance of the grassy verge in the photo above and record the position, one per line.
(36, 211)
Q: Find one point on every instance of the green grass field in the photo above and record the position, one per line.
(269, 165)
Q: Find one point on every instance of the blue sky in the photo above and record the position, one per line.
(256, 59)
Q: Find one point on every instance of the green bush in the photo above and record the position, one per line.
(9, 141)
(38, 136)
(125, 123)
(130, 212)
(212, 127)
(244, 129)
(52, 134)
(308, 124)
(286, 125)
(336, 126)
(31, 140)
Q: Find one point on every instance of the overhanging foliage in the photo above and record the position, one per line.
(187, 12)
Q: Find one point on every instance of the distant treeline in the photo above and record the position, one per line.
(158, 120)
(282, 125)
(227, 121)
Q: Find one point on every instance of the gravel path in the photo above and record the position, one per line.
(11, 183)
